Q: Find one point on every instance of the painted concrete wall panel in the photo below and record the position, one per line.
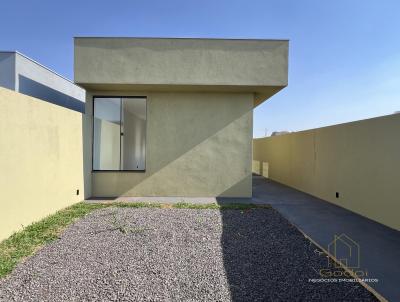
(40, 160)
(359, 160)
(198, 145)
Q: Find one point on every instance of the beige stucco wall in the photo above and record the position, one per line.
(360, 160)
(197, 145)
(40, 159)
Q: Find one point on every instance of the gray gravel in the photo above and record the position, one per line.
(128, 254)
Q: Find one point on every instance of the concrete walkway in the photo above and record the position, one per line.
(321, 221)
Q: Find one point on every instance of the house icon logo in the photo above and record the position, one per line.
(345, 250)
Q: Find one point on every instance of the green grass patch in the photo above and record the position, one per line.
(214, 206)
(133, 204)
(185, 205)
(26, 242)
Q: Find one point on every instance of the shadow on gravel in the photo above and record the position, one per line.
(267, 259)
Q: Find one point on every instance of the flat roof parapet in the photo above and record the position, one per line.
(237, 65)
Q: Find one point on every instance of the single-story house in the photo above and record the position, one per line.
(173, 117)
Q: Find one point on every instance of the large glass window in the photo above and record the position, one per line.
(119, 133)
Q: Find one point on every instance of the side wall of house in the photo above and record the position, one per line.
(40, 160)
(197, 145)
(359, 160)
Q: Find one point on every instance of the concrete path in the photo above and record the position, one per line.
(321, 221)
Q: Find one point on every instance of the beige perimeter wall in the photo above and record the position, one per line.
(197, 145)
(360, 160)
(40, 160)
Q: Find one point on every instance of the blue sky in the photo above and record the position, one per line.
(344, 59)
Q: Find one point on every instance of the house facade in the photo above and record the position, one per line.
(173, 117)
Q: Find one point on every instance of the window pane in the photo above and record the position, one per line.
(106, 134)
(133, 141)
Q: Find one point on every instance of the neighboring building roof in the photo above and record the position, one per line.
(16, 52)
(20, 73)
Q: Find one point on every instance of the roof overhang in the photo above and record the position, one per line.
(160, 64)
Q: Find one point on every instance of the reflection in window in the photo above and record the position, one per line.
(119, 133)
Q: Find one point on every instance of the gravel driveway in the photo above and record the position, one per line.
(126, 254)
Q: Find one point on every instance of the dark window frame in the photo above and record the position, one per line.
(120, 97)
